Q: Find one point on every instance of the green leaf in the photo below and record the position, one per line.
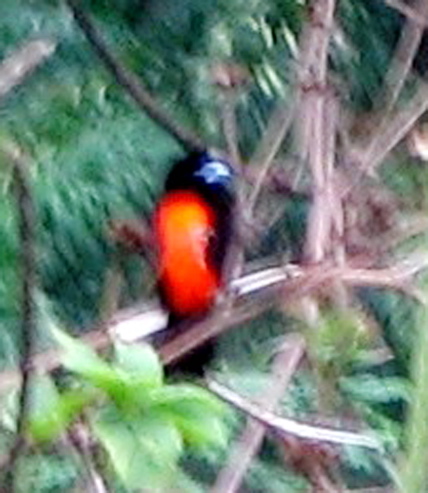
(79, 358)
(54, 418)
(144, 452)
(83, 360)
(199, 415)
(141, 363)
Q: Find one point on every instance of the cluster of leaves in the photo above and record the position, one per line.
(141, 422)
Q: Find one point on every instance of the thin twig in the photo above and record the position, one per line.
(285, 426)
(391, 132)
(405, 52)
(111, 290)
(130, 82)
(80, 442)
(334, 202)
(283, 369)
(22, 62)
(27, 334)
(409, 12)
(387, 133)
(228, 102)
(277, 129)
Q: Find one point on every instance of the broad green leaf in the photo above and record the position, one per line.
(144, 452)
(199, 415)
(83, 360)
(80, 358)
(59, 414)
(171, 395)
(160, 437)
(141, 363)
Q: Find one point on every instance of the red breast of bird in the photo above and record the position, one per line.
(188, 280)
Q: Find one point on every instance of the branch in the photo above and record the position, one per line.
(27, 232)
(230, 80)
(391, 132)
(409, 12)
(286, 426)
(387, 133)
(317, 141)
(79, 440)
(230, 129)
(278, 126)
(22, 62)
(283, 369)
(405, 52)
(314, 92)
(130, 82)
(255, 293)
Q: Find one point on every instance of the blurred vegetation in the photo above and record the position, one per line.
(95, 157)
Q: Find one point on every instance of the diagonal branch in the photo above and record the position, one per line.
(286, 427)
(283, 369)
(228, 103)
(406, 50)
(27, 233)
(388, 133)
(409, 12)
(277, 129)
(130, 82)
(392, 132)
(78, 439)
(21, 63)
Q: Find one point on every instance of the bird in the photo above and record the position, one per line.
(193, 225)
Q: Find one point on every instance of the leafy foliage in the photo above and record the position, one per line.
(140, 422)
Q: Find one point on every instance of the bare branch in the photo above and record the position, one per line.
(286, 426)
(283, 369)
(277, 129)
(111, 291)
(230, 130)
(27, 232)
(80, 441)
(313, 80)
(401, 64)
(21, 63)
(326, 210)
(392, 132)
(255, 292)
(130, 82)
(389, 133)
(409, 12)
(277, 282)
(314, 49)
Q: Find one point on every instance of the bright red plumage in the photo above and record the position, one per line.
(183, 224)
